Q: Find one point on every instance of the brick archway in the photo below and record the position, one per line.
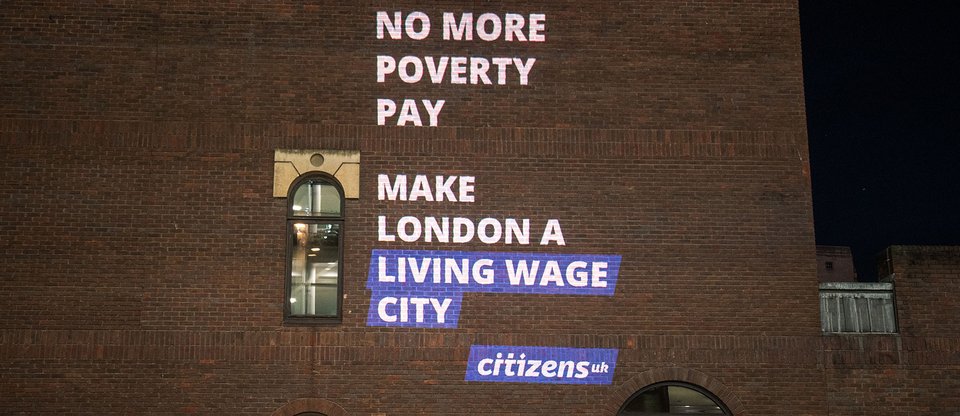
(686, 375)
(310, 405)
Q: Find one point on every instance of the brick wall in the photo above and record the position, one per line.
(914, 371)
(926, 279)
(835, 264)
(143, 252)
(721, 65)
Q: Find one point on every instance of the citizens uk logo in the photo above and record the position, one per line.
(544, 365)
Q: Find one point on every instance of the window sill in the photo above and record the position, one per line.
(312, 321)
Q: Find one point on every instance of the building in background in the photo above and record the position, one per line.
(341, 208)
(835, 264)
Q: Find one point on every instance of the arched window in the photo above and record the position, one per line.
(673, 398)
(314, 249)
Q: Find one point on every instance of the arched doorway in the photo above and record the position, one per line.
(673, 398)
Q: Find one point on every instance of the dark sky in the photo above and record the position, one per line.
(881, 83)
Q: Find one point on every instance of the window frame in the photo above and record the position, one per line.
(290, 245)
(675, 383)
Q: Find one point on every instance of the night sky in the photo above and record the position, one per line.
(881, 84)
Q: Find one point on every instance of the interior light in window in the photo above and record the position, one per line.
(315, 220)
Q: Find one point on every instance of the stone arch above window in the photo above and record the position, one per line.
(291, 164)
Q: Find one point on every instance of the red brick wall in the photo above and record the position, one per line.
(927, 281)
(912, 372)
(143, 253)
(718, 65)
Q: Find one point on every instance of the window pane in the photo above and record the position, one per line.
(670, 400)
(314, 269)
(316, 198)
